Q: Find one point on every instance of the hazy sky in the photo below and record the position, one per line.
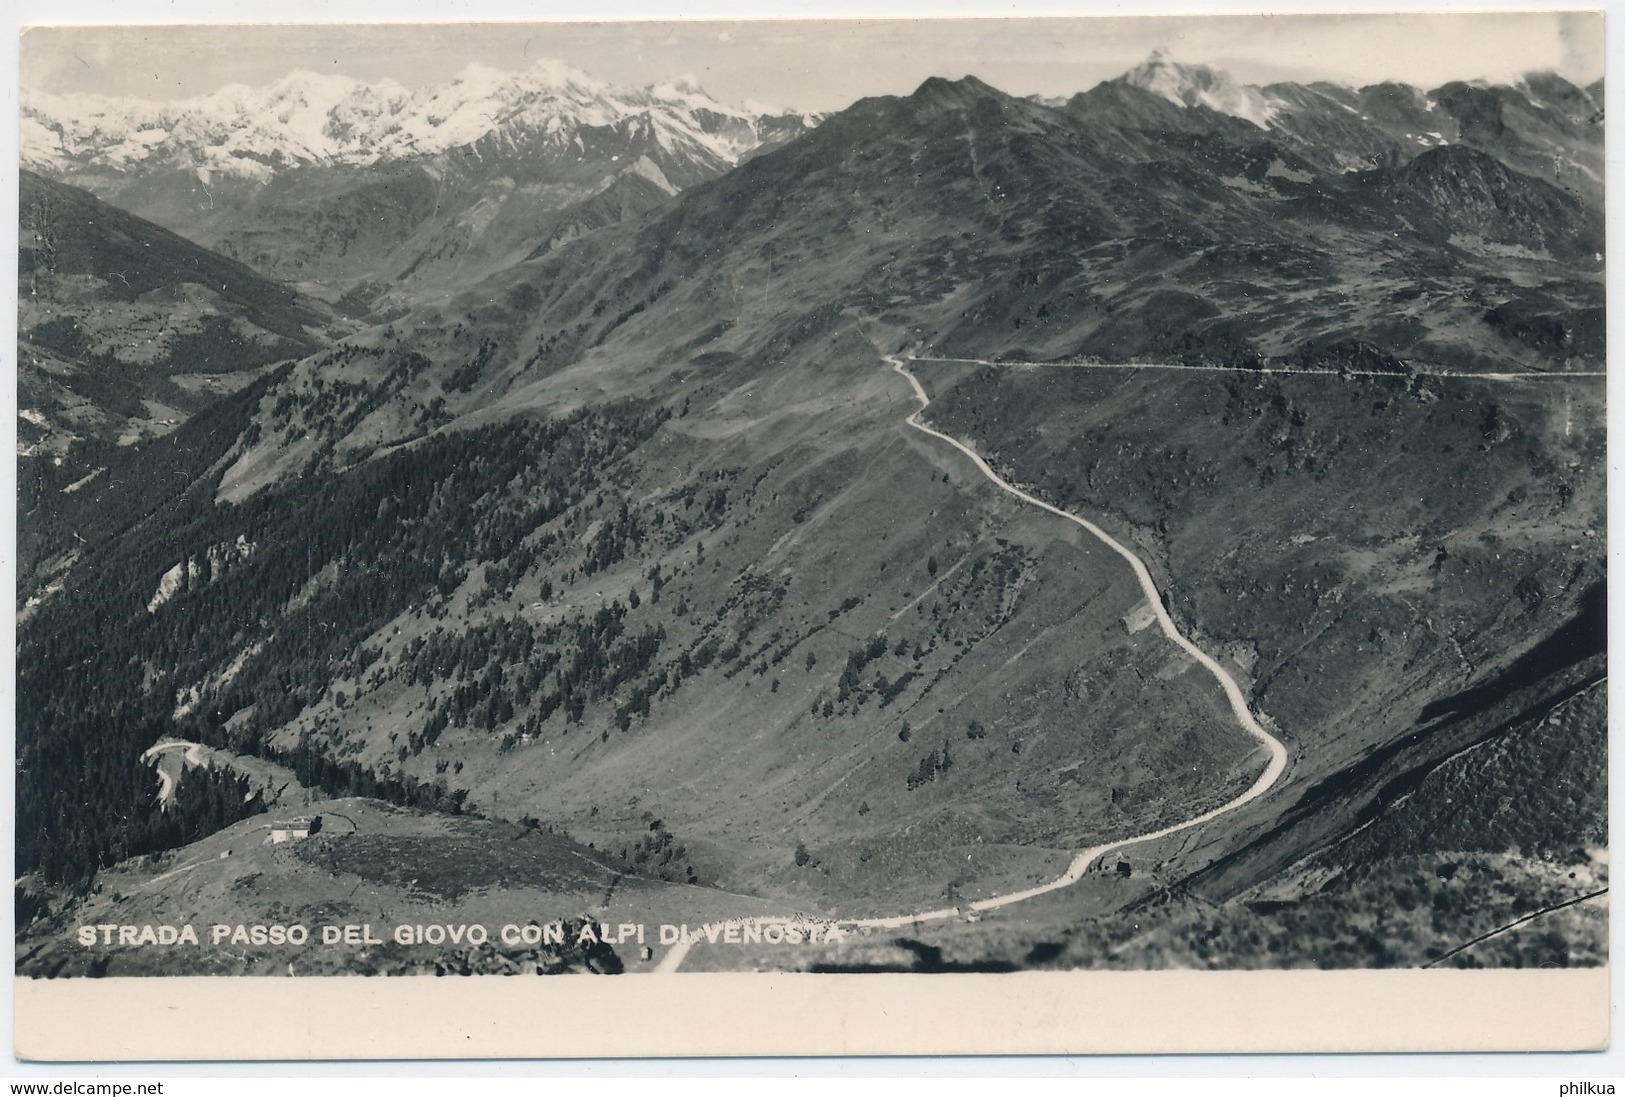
(812, 65)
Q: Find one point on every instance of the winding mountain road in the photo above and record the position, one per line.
(1186, 367)
(1080, 863)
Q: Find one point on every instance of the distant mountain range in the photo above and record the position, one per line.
(305, 118)
(375, 196)
(1542, 125)
(328, 180)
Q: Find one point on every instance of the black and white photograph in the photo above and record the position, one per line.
(848, 497)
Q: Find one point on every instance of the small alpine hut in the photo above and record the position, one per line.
(289, 830)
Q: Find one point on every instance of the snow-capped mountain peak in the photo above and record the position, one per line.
(552, 73)
(683, 89)
(308, 117)
(312, 87)
(1199, 85)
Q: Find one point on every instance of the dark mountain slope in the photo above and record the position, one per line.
(126, 329)
(1546, 127)
(1457, 190)
(67, 231)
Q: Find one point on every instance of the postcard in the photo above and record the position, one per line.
(816, 537)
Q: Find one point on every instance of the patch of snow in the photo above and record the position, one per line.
(1279, 170)
(1241, 183)
(1199, 85)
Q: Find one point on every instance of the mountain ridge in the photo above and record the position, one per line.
(311, 118)
(371, 195)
